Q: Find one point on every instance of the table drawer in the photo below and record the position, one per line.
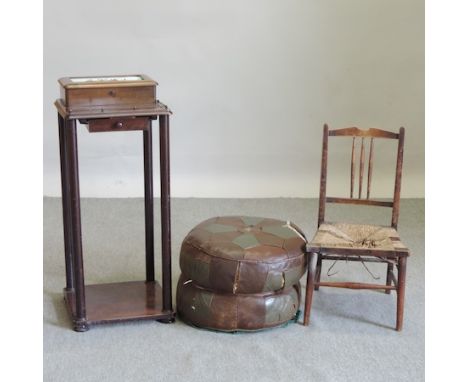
(118, 124)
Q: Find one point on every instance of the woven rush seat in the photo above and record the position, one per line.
(235, 312)
(242, 255)
(358, 236)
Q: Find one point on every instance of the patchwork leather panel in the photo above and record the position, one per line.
(235, 312)
(243, 254)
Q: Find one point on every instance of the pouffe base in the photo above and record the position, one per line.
(226, 312)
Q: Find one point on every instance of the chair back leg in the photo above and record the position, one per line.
(318, 272)
(389, 276)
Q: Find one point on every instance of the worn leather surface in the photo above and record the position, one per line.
(241, 255)
(235, 312)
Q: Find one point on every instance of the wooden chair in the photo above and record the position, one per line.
(359, 242)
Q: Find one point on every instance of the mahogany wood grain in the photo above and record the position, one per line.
(149, 205)
(117, 124)
(79, 322)
(116, 302)
(66, 206)
(80, 98)
(93, 304)
(113, 94)
(156, 109)
(164, 149)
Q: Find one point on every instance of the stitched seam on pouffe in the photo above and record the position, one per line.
(266, 261)
(285, 264)
(258, 294)
(276, 323)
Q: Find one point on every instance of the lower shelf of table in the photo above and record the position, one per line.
(125, 301)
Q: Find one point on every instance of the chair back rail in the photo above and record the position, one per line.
(370, 134)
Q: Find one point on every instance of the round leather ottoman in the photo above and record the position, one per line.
(239, 254)
(244, 262)
(235, 312)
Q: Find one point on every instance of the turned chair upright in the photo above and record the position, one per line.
(357, 242)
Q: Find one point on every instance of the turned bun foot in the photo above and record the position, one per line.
(167, 320)
(80, 326)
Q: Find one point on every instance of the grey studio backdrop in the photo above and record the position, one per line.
(250, 84)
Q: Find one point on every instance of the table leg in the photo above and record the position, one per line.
(149, 209)
(165, 211)
(79, 320)
(67, 239)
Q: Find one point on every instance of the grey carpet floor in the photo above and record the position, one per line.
(351, 336)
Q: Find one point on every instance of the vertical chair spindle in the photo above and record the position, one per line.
(361, 168)
(369, 168)
(352, 167)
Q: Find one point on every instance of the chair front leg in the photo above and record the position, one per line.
(401, 291)
(309, 287)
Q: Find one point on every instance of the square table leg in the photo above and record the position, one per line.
(67, 239)
(149, 207)
(165, 211)
(71, 152)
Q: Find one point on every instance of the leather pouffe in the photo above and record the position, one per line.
(235, 312)
(238, 254)
(243, 262)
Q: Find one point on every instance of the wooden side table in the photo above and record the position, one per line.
(123, 301)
